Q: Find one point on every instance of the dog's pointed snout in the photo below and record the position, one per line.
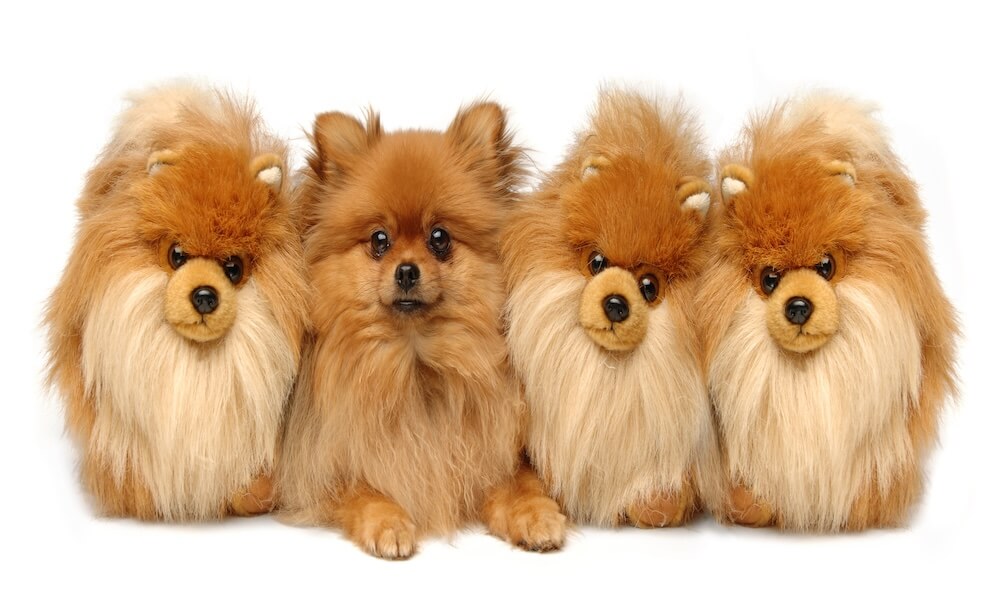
(798, 310)
(616, 308)
(407, 275)
(205, 299)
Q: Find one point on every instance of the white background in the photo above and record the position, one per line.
(65, 69)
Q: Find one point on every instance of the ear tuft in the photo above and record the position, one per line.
(695, 194)
(339, 139)
(268, 168)
(593, 165)
(842, 169)
(736, 179)
(160, 158)
(481, 126)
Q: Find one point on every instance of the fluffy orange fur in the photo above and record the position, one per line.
(824, 426)
(406, 420)
(620, 427)
(170, 427)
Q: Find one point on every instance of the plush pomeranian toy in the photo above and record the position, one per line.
(406, 420)
(601, 263)
(829, 340)
(175, 331)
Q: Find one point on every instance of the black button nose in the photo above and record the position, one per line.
(798, 310)
(407, 275)
(205, 299)
(616, 308)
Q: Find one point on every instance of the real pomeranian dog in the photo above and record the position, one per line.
(406, 420)
(175, 332)
(830, 343)
(601, 263)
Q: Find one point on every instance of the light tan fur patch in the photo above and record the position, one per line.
(613, 336)
(606, 429)
(823, 323)
(806, 433)
(195, 422)
(179, 310)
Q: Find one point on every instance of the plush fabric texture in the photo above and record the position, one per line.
(620, 428)
(175, 415)
(824, 432)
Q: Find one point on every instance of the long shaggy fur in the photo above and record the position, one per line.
(170, 428)
(833, 438)
(609, 429)
(404, 418)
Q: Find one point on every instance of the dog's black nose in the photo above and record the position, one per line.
(205, 299)
(798, 310)
(616, 308)
(407, 275)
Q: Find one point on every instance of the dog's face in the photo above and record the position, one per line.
(402, 228)
(633, 228)
(794, 228)
(209, 215)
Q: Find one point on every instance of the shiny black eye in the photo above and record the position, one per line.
(649, 287)
(439, 242)
(597, 263)
(176, 257)
(233, 268)
(826, 267)
(769, 279)
(380, 243)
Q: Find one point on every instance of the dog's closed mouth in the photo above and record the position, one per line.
(407, 306)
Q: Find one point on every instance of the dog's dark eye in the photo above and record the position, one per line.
(176, 257)
(439, 242)
(380, 243)
(826, 267)
(649, 287)
(769, 280)
(233, 268)
(597, 263)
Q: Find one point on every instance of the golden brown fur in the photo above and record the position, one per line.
(409, 423)
(178, 417)
(824, 425)
(620, 426)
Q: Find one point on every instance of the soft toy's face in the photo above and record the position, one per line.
(633, 227)
(207, 218)
(795, 233)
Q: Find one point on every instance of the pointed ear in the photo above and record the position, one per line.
(269, 170)
(339, 140)
(842, 169)
(694, 194)
(736, 179)
(160, 158)
(592, 165)
(481, 127)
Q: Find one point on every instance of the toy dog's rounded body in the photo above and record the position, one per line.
(829, 341)
(175, 331)
(600, 266)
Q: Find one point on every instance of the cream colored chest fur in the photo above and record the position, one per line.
(604, 430)
(195, 422)
(808, 433)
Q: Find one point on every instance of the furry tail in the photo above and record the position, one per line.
(849, 119)
(153, 109)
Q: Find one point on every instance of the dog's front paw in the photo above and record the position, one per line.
(666, 509)
(537, 525)
(748, 510)
(256, 499)
(387, 533)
